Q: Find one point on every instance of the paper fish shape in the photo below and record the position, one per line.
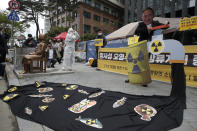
(120, 102)
(48, 99)
(44, 90)
(82, 106)
(72, 87)
(90, 122)
(145, 111)
(12, 89)
(96, 94)
(9, 97)
(40, 95)
(43, 108)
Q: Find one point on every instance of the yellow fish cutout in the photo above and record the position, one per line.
(64, 84)
(72, 87)
(9, 97)
(66, 96)
(37, 84)
(43, 108)
(12, 89)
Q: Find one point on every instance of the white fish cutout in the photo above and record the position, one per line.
(120, 102)
(44, 90)
(90, 122)
(96, 94)
(40, 95)
(83, 92)
(82, 106)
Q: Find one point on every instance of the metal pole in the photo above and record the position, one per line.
(12, 38)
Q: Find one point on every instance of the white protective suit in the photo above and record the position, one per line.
(69, 49)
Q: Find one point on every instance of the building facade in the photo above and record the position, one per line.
(91, 15)
(164, 8)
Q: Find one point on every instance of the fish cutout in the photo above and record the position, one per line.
(44, 90)
(28, 110)
(64, 84)
(72, 87)
(96, 94)
(40, 95)
(66, 96)
(83, 92)
(43, 108)
(145, 111)
(90, 122)
(48, 99)
(9, 97)
(12, 89)
(37, 84)
(120, 102)
(82, 106)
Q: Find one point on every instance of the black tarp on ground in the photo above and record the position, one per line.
(78, 108)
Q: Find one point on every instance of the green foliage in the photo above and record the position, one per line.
(54, 31)
(88, 36)
(17, 26)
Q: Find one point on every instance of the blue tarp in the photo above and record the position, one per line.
(81, 46)
(119, 43)
(90, 50)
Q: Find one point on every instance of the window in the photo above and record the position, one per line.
(97, 18)
(97, 5)
(95, 29)
(87, 2)
(54, 23)
(106, 9)
(105, 20)
(87, 28)
(87, 14)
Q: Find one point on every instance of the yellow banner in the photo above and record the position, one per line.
(98, 42)
(116, 63)
(133, 40)
(188, 23)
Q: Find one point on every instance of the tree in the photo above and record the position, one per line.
(17, 26)
(31, 10)
(54, 31)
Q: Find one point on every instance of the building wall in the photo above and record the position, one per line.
(115, 17)
(135, 10)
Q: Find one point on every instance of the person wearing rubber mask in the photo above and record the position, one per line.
(69, 49)
(144, 29)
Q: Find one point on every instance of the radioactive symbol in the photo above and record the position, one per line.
(136, 68)
(156, 47)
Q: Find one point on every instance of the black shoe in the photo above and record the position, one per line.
(97, 69)
(52, 66)
(126, 81)
(145, 85)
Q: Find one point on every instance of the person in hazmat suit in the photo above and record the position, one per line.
(69, 49)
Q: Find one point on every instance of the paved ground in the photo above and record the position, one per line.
(88, 76)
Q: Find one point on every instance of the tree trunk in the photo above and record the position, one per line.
(163, 8)
(184, 8)
(139, 9)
